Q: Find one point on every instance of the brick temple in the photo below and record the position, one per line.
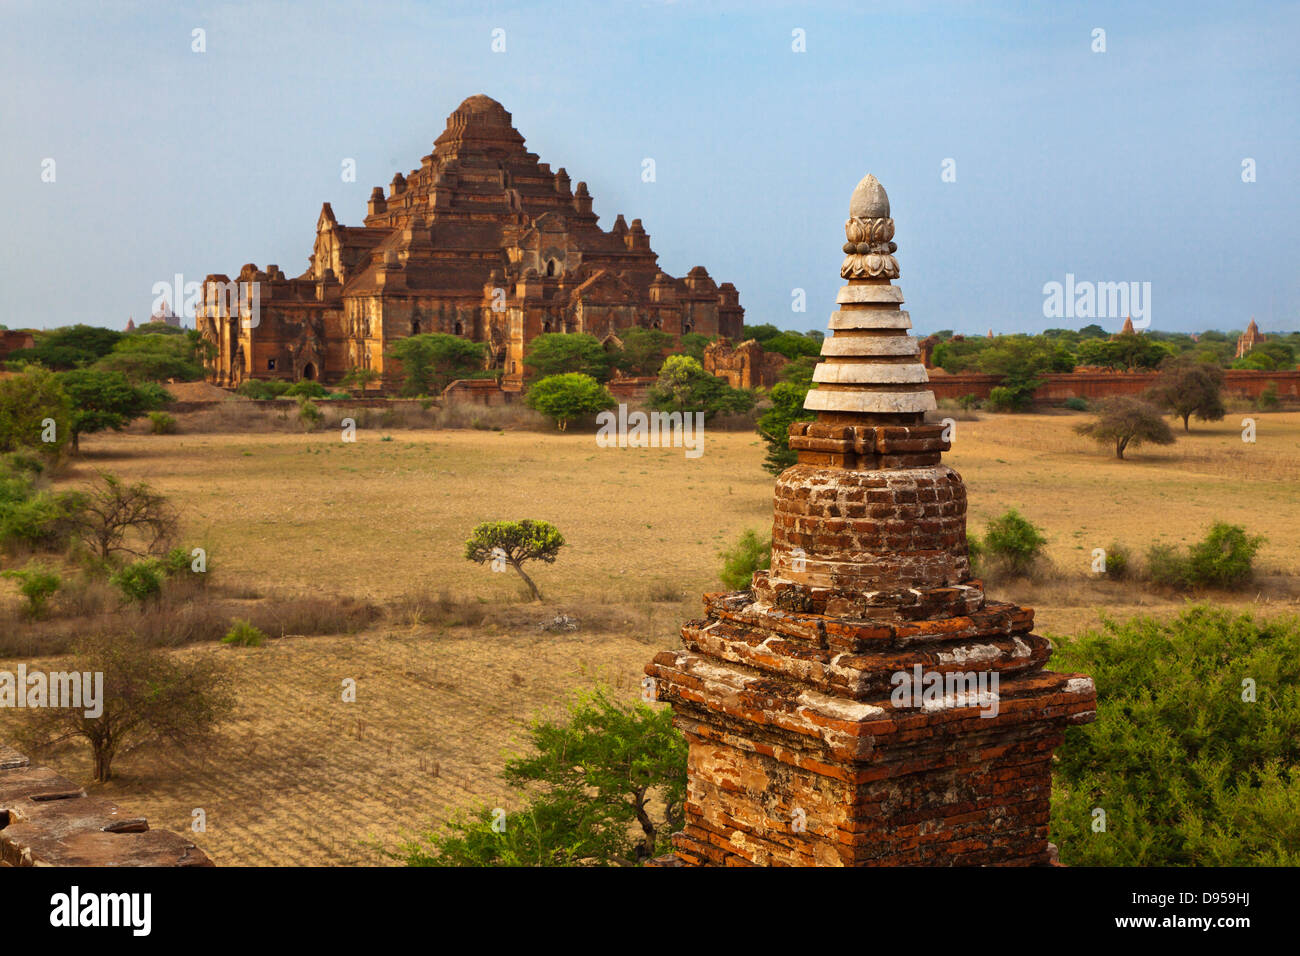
(803, 752)
(482, 241)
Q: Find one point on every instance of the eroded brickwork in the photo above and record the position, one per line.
(802, 751)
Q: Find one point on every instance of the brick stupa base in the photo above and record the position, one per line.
(802, 753)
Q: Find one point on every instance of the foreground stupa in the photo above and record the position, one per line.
(804, 748)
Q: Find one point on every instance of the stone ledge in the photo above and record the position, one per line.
(47, 820)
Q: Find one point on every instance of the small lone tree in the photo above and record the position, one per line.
(148, 695)
(513, 543)
(1190, 388)
(1126, 421)
(131, 519)
(563, 398)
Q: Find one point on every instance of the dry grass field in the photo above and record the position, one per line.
(299, 777)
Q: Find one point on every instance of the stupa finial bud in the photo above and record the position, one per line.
(868, 231)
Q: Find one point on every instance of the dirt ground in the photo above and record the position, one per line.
(299, 777)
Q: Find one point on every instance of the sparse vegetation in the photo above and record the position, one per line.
(37, 583)
(242, 633)
(749, 554)
(1224, 558)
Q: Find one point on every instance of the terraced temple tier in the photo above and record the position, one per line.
(863, 703)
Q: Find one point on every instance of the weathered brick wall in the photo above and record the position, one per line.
(1058, 387)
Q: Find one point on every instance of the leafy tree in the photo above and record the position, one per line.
(148, 695)
(792, 345)
(358, 379)
(1021, 361)
(563, 398)
(69, 347)
(684, 386)
(1093, 331)
(607, 787)
(1194, 752)
(643, 351)
(1190, 388)
(432, 361)
(692, 344)
(749, 554)
(759, 333)
(104, 400)
(27, 402)
(1124, 421)
(1268, 357)
(156, 356)
(1127, 351)
(515, 542)
(774, 424)
(559, 353)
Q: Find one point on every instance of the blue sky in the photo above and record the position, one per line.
(1122, 166)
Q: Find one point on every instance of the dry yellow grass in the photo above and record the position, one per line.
(302, 778)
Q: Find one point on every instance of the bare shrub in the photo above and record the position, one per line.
(117, 518)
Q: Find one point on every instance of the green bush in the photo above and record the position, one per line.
(1117, 562)
(975, 553)
(37, 583)
(139, 580)
(1003, 399)
(749, 554)
(336, 396)
(309, 413)
(1013, 542)
(37, 520)
(263, 388)
(160, 423)
(1076, 404)
(969, 402)
(1194, 752)
(1268, 399)
(243, 634)
(604, 787)
(308, 388)
(1224, 558)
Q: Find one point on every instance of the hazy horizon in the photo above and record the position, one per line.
(1116, 166)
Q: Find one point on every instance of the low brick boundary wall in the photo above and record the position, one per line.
(1059, 387)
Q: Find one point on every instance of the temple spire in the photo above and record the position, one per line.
(871, 370)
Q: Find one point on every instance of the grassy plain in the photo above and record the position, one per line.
(301, 778)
